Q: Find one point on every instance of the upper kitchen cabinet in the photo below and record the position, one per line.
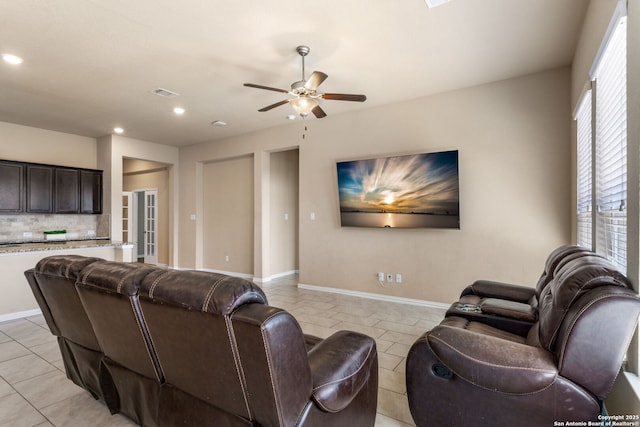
(39, 188)
(66, 190)
(12, 192)
(90, 191)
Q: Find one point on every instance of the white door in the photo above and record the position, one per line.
(127, 217)
(151, 226)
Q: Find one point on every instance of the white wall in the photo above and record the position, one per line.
(513, 139)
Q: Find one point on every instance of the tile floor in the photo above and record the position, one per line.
(34, 390)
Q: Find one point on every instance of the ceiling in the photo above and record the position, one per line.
(91, 65)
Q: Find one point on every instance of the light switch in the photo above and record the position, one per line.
(192, 217)
(312, 216)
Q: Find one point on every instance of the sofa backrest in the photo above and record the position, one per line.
(556, 257)
(109, 293)
(188, 314)
(273, 354)
(586, 317)
(593, 340)
(54, 288)
(571, 282)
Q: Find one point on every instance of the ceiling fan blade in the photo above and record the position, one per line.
(314, 80)
(277, 104)
(275, 89)
(343, 97)
(318, 112)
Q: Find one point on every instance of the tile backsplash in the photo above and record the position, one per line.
(16, 228)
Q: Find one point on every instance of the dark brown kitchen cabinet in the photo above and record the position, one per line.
(90, 191)
(12, 192)
(39, 188)
(66, 190)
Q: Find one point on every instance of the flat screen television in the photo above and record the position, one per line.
(412, 191)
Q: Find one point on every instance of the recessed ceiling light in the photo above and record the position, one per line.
(12, 59)
(178, 110)
(219, 123)
(118, 130)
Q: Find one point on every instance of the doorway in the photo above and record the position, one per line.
(140, 223)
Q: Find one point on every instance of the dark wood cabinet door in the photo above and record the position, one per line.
(66, 199)
(39, 188)
(11, 187)
(91, 192)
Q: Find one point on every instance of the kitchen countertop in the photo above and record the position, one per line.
(6, 248)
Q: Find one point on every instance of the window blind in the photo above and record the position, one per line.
(611, 149)
(584, 219)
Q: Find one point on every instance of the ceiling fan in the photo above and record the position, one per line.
(304, 92)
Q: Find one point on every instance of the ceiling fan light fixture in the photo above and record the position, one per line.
(303, 105)
(12, 59)
(434, 3)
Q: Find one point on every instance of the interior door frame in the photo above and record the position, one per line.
(151, 226)
(149, 245)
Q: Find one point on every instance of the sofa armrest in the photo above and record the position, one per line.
(340, 366)
(491, 289)
(510, 309)
(490, 362)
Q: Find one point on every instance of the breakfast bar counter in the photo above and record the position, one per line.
(18, 247)
(16, 257)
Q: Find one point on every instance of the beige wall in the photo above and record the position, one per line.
(143, 175)
(111, 151)
(513, 139)
(594, 28)
(283, 226)
(28, 144)
(228, 215)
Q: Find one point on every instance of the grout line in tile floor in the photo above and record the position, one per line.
(34, 390)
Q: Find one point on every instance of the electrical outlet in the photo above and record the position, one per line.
(27, 234)
(226, 258)
(389, 278)
(398, 278)
(381, 276)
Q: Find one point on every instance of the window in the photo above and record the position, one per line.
(584, 169)
(611, 149)
(601, 124)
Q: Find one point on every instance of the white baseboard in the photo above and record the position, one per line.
(19, 315)
(227, 273)
(380, 297)
(266, 280)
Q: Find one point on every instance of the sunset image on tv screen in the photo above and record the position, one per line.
(413, 191)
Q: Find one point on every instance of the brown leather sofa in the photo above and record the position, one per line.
(467, 373)
(507, 306)
(192, 348)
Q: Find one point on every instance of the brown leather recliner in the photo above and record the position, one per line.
(507, 306)
(466, 373)
(131, 373)
(228, 356)
(196, 348)
(52, 282)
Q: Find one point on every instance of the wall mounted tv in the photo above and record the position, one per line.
(413, 191)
